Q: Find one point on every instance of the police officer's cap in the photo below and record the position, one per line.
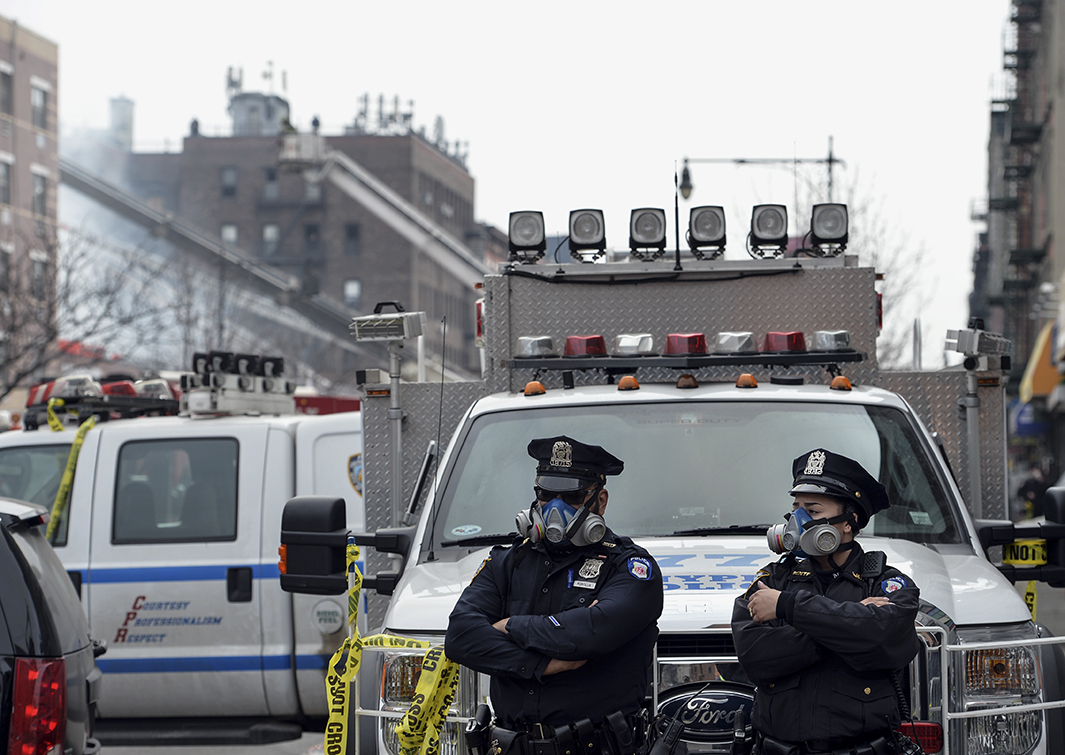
(567, 464)
(826, 473)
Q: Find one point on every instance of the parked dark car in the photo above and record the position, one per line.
(49, 682)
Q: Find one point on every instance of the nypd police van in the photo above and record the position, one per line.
(170, 539)
(708, 378)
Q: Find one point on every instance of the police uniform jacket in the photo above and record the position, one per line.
(823, 667)
(548, 599)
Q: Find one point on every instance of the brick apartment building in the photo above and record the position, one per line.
(233, 187)
(29, 172)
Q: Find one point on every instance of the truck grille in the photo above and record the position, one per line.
(695, 645)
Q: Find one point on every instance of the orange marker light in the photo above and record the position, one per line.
(840, 383)
(687, 381)
(534, 388)
(746, 380)
(282, 565)
(628, 383)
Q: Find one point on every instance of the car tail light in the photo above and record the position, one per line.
(785, 341)
(925, 733)
(685, 344)
(39, 707)
(585, 346)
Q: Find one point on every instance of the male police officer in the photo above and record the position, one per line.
(565, 622)
(823, 631)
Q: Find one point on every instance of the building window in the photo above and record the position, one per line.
(270, 187)
(39, 279)
(5, 92)
(229, 233)
(312, 240)
(5, 183)
(39, 107)
(271, 238)
(5, 270)
(352, 239)
(40, 190)
(229, 182)
(312, 191)
(353, 293)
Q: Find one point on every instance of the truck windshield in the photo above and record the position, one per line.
(691, 466)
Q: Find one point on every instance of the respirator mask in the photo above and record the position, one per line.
(804, 535)
(561, 520)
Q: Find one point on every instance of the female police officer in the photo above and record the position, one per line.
(565, 623)
(823, 631)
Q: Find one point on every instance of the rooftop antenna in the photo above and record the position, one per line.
(284, 82)
(269, 74)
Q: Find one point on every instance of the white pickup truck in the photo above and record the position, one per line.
(170, 538)
(707, 440)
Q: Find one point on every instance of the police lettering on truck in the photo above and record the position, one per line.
(708, 376)
(167, 535)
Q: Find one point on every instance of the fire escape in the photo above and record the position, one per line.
(1012, 197)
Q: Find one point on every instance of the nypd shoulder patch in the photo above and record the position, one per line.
(893, 584)
(640, 568)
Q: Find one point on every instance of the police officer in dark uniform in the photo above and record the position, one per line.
(823, 631)
(565, 621)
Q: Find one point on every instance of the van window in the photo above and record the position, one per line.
(33, 473)
(176, 491)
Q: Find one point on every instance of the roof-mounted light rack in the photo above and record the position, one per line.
(612, 364)
(103, 408)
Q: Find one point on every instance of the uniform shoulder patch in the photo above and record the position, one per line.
(481, 567)
(640, 568)
(895, 583)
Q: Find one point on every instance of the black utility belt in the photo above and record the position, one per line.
(618, 734)
(875, 745)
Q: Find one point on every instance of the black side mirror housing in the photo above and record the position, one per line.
(314, 538)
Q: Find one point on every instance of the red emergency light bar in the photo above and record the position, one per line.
(119, 388)
(783, 341)
(685, 344)
(585, 346)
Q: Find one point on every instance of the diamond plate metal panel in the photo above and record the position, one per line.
(934, 397)
(788, 296)
(426, 416)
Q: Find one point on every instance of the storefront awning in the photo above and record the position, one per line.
(1040, 374)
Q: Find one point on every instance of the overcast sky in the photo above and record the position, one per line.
(592, 104)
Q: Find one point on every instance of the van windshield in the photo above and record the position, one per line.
(691, 466)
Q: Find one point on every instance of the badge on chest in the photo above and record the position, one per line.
(588, 573)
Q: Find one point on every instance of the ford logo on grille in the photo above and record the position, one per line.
(709, 714)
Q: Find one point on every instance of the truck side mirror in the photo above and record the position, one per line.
(1054, 505)
(314, 538)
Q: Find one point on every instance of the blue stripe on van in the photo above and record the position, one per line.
(172, 573)
(311, 662)
(205, 663)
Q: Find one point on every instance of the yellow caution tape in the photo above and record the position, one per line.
(419, 729)
(1025, 553)
(1031, 597)
(54, 423)
(63, 494)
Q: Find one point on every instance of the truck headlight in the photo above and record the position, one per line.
(996, 678)
(400, 670)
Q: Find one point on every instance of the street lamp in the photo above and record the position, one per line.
(830, 161)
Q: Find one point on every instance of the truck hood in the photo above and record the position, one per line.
(704, 575)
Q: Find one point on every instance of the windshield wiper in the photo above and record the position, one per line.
(498, 539)
(732, 529)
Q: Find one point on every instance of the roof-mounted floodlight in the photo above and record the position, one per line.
(587, 231)
(395, 326)
(828, 228)
(769, 228)
(706, 231)
(647, 231)
(527, 239)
